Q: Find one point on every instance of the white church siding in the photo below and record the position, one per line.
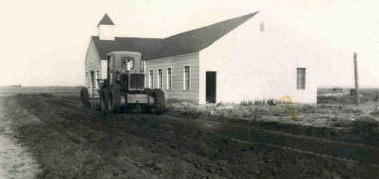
(256, 65)
(254, 59)
(106, 32)
(92, 63)
(177, 64)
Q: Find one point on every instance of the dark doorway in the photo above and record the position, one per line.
(210, 88)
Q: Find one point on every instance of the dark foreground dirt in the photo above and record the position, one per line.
(15, 160)
(70, 142)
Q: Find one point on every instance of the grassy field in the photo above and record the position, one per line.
(55, 90)
(327, 95)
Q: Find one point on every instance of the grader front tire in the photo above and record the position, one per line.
(84, 97)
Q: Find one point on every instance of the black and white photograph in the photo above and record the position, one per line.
(188, 89)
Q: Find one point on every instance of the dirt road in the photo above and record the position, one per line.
(15, 161)
(70, 142)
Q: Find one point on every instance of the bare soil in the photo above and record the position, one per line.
(15, 160)
(71, 142)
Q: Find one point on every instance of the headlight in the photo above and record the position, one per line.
(122, 100)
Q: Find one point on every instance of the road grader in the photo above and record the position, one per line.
(123, 87)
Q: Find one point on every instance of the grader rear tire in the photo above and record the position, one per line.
(84, 97)
(106, 104)
(103, 105)
(159, 101)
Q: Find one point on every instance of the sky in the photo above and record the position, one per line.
(43, 42)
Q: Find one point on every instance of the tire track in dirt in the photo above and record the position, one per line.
(68, 118)
(142, 157)
(80, 141)
(294, 149)
(331, 148)
(134, 149)
(306, 152)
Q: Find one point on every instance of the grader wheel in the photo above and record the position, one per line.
(84, 97)
(103, 104)
(159, 101)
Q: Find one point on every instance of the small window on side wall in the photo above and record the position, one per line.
(301, 78)
(187, 74)
(169, 79)
(151, 80)
(160, 78)
(262, 27)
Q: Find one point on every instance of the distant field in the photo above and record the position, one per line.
(324, 95)
(55, 90)
(323, 91)
(345, 95)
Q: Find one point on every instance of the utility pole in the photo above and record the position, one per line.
(357, 101)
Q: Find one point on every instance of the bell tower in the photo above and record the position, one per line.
(106, 28)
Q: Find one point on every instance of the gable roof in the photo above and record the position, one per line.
(179, 44)
(106, 20)
(147, 46)
(198, 39)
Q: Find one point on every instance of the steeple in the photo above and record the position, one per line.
(106, 28)
(106, 20)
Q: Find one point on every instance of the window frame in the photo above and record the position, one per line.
(124, 62)
(159, 78)
(129, 62)
(301, 76)
(88, 76)
(261, 26)
(151, 79)
(97, 79)
(185, 80)
(169, 79)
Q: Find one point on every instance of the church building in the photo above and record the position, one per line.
(229, 61)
